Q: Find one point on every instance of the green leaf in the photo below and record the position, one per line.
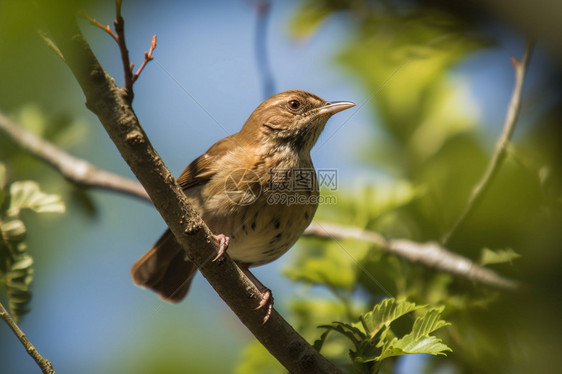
(384, 313)
(27, 195)
(13, 230)
(498, 257)
(18, 280)
(25, 262)
(408, 345)
(319, 343)
(417, 341)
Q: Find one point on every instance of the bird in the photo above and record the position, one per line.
(257, 190)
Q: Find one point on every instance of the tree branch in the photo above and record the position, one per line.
(44, 364)
(429, 254)
(112, 105)
(499, 154)
(73, 169)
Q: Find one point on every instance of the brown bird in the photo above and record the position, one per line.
(257, 188)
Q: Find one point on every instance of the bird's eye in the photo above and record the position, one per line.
(294, 104)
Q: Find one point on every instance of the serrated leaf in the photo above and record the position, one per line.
(417, 341)
(27, 195)
(408, 345)
(351, 332)
(385, 313)
(499, 256)
(318, 343)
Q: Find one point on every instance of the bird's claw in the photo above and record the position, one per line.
(223, 245)
(266, 301)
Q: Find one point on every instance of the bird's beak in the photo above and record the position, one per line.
(335, 107)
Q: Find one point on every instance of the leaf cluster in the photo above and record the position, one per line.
(16, 264)
(374, 340)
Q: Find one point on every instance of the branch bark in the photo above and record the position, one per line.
(429, 254)
(114, 111)
(76, 170)
(432, 255)
(500, 149)
(44, 364)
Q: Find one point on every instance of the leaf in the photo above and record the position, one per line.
(408, 345)
(417, 341)
(384, 313)
(13, 230)
(25, 262)
(18, 279)
(351, 332)
(27, 195)
(318, 343)
(498, 257)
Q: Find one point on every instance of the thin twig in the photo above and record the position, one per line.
(263, 9)
(499, 154)
(147, 57)
(83, 173)
(119, 37)
(429, 254)
(119, 24)
(73, 169)
(95, 23)
(44, 364)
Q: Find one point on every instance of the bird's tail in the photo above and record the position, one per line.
(164, 269)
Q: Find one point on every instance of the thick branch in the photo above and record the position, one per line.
(429, 254)
(114, 111)
(500, 149)
(44, 364)
(73, 169)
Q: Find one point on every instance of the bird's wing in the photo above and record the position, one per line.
(203, 168)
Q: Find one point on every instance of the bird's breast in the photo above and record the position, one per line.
(264, 209)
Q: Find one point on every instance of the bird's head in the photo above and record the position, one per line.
(291, 118)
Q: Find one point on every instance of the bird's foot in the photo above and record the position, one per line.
(266, 301)
(223, 245)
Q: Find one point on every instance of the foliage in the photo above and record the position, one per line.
(374, 340)
(16, 264)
